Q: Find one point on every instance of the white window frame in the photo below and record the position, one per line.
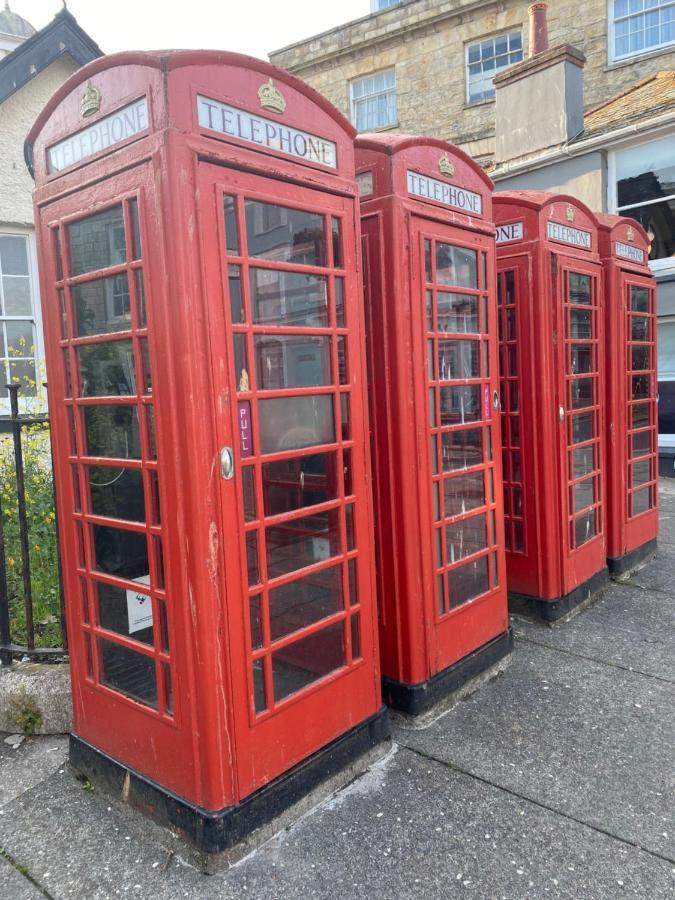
(611, 36)
(376, 7)
(353, 101)
(38, 404)
(472, 43)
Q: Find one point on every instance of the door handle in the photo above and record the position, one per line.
(495, 400)
(561, 414)
(226, 463)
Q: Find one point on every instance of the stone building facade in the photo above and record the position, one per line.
(426, 44)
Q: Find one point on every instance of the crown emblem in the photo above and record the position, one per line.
(91, 101)
(445, 167)
(630, 234)
(271, 98)
(569, 212)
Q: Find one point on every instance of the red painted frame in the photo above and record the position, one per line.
(419, 639)
(627, 530)
(209, 746)
(551, 563)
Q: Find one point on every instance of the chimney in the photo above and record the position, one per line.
(540, 101)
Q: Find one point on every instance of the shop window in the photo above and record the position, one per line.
(666, 376)
(373, 101)
(485, 58)
(638, 26)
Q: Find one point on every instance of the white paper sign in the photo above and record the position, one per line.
(511, 232)
(575, 236)
(259, 130)
(442, 192)
(139, 607)
(111, 130)
(628, 252)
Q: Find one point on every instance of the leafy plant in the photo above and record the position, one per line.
(24, 712)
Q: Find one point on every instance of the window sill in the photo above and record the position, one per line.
(638, 57)
(472, 104)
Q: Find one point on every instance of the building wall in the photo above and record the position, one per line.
(425, 41)
(17, 114)
(584, 177)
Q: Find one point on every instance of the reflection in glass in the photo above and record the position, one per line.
(641, 501)
(583, 494)
(339, 287)
(580, 323)
(284, 234)
(461, 449)
(465, 537)
(356, 636)
(231, 230)
(460, 404)
(581, 358)
(582, 427)
(289, 423)
(580, 288)
(639, 299)
(256, 621)
(639, 328)
(97, 241)
(458, 359)
(102, 306)
(117, 493)
(467, 581)
(305, 661)
(463, 493)
(641, 472)
(640, 416)
(291, 484)
(640, 387)
(234, 288)
(581, 390)
(287, 361)
(136, 250)
(252, 557)
(120, 552)
(259, 686)
(302, 542)
(289, 298)
(456, 266)
(642, 443)
(584, 528)
(129, 672)
(336, 229)
(582, 462)
(457, 312)
(112, 431)
(640, 358)
(113, 609)
(107, 369)
(307, 600)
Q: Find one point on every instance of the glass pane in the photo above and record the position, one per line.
(117, 493)
(356, 636)
(256, 622)
(22, 371)
(640, 358)
(456, 266)
(16, 292)
(13, 255)
(120, 552)
(259, 686)
(307, 660)
(582, 392)
(642, 443)
(344, 412)
(102, 306)
(656, 219)
(584, 528)
(581, 359)
(639, 328)
(583, 494)
(580, 288)
(289, 423)
(582, 427)
(302, 542)
(107, 369)
(580, 323)
(462, 449)
(305, 601)
(349, 518)
(460, 404)
(639, 299)
(640, 387)
(155, 511)
(136, 251)
(353, 582)
(641, 501)
(252, 557)
(458, 359)
(457, 312)
(641, 472)
(468, 581)
(463, 493)
(339, 302)
(640, 416)
(231, 230)
(234, 287)
(465, 537)
(129, 672)
(518, 538)
(582, 462)
(140, 298)
(427, 260)
(248, 489)
(289, 298)
(112, 431)
(125, 612)
(284, 234)
(284, 361)
(336, 227)
(294, 483)
(97, 241)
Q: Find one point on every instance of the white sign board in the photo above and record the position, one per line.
(244, 125)
(139, 607)
(511, 232)
(111, 130)
(364, 182)
(556, 231)
(633, 253)
(442, 192)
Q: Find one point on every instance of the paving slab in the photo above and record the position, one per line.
(589, 740)
(409, 828)
(659, 573)
(628, 627)
(32, 761)
(14, 885)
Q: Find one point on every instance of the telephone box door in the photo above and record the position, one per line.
(580, 385)
(456, 320)
(287, 367)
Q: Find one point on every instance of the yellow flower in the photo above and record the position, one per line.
(11, 561)
(37, 547)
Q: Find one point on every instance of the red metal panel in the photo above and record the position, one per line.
(438, 520)
(553, 352)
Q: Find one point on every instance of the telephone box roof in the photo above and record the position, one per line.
(391, 144)
(537, 200)
(608, 222)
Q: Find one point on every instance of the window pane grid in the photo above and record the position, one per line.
(642, 25)
(640, 392)
(374, 101)
(485, 58)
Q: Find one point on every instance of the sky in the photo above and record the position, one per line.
(255, 27)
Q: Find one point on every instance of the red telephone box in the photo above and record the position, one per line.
(198, 220)
(632, 440)
(431, 320)
(553, 399)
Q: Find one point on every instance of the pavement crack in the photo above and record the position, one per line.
(552, 809)
(23, 871)
(602, 662)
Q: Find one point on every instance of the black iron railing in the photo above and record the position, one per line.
(16, 425)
